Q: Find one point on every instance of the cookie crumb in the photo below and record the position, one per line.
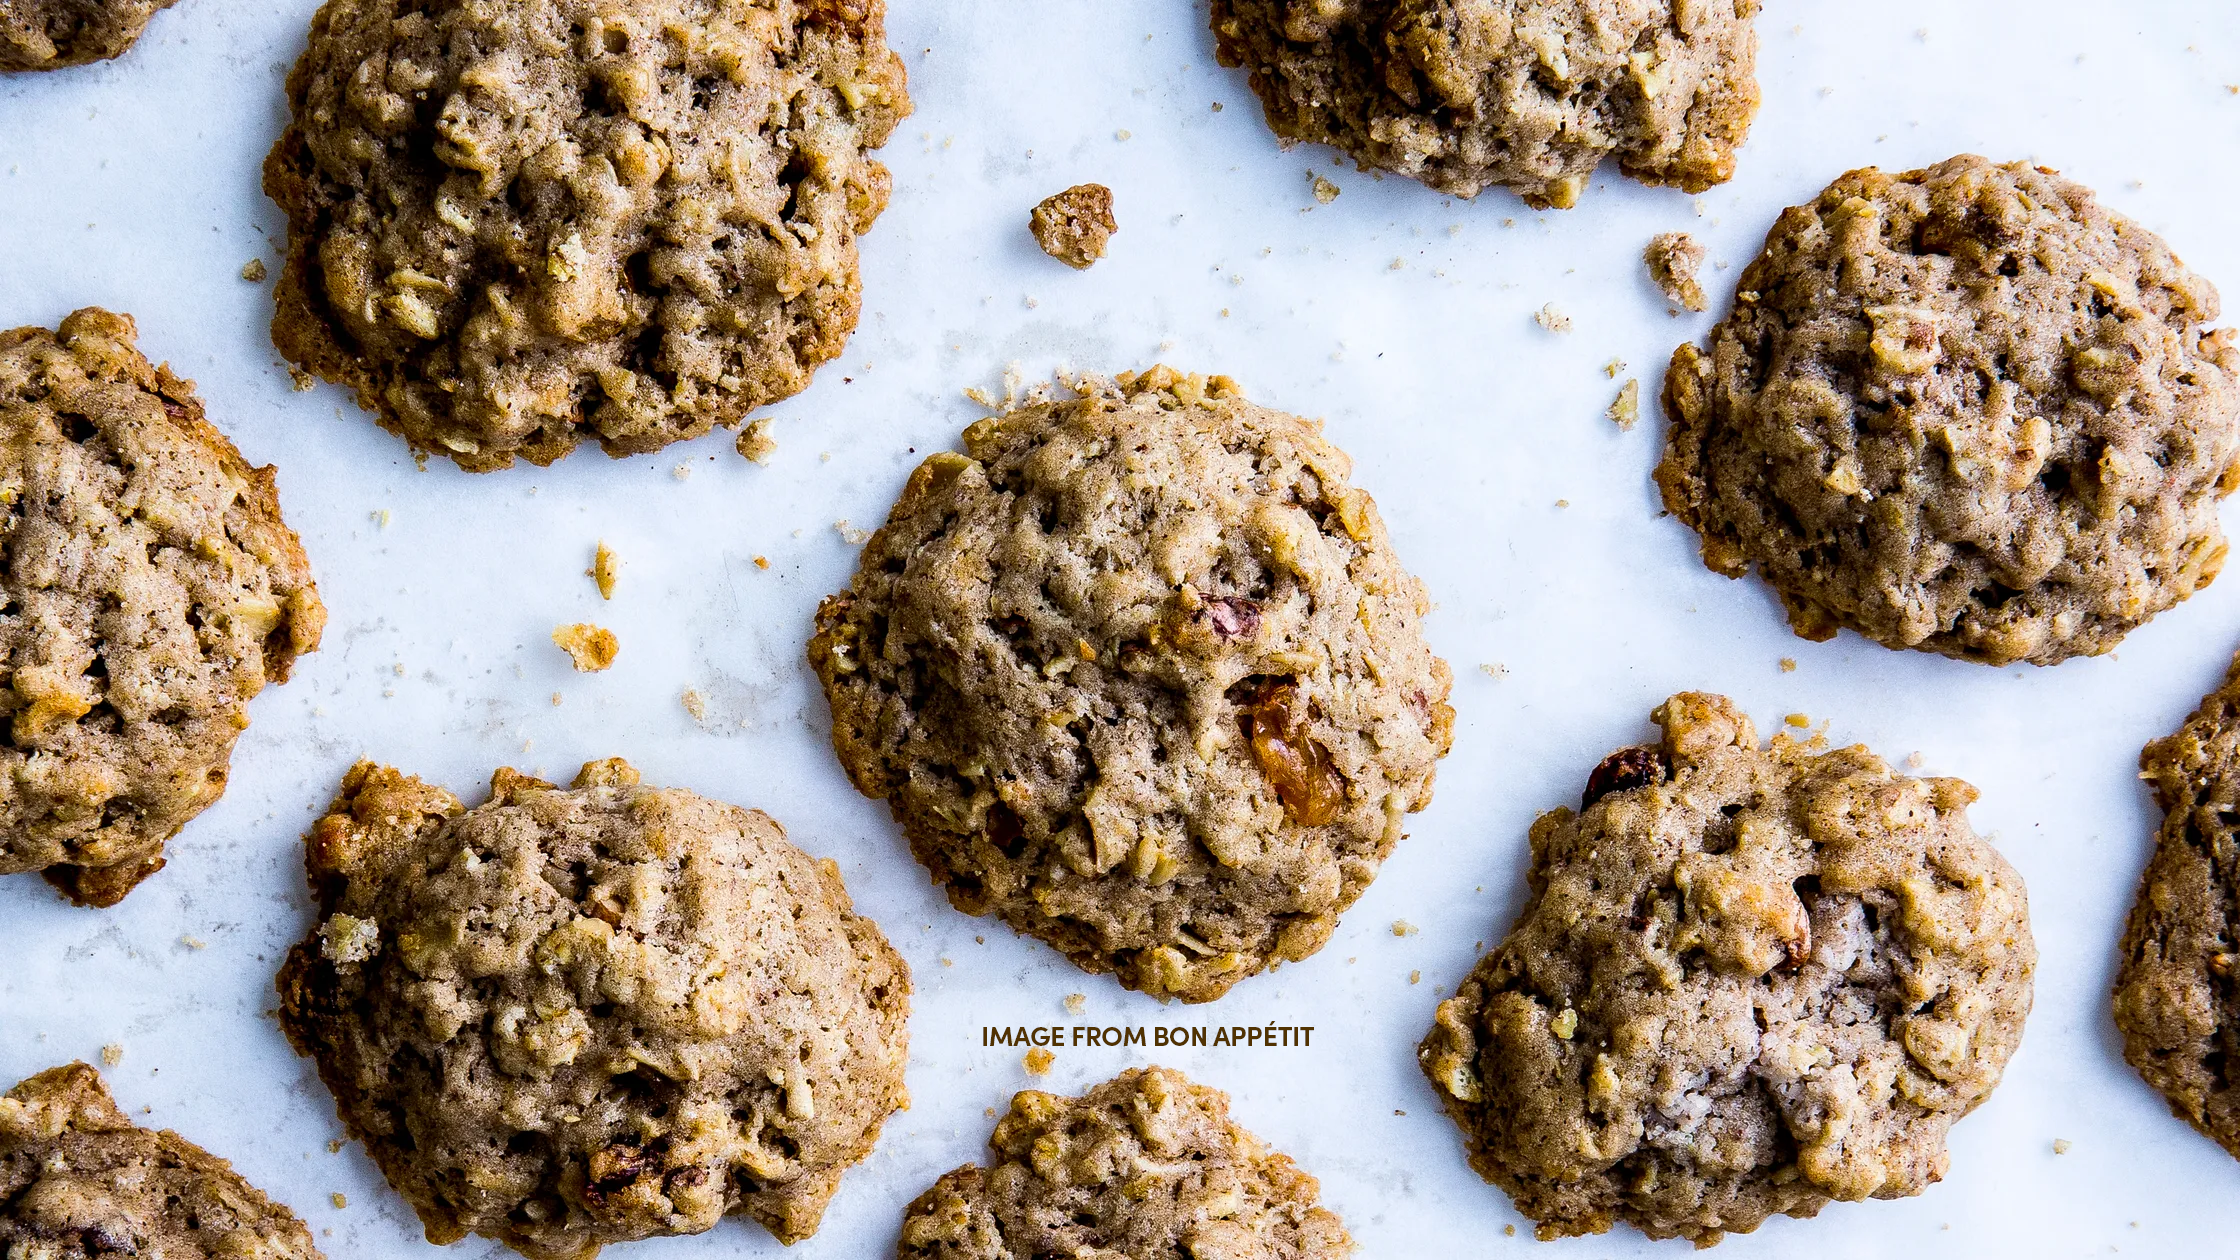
(1914, 761)
(301, 381)
(1613, 367)
(1401, 927)
(555, 699)
(2061, 1146)
(850, 534)
(334, 1146)
(112, 1054)
(1494, 670)
(1038, 1061)
(755, 442)
(1076, 1002)
(604, 565)
(1324, 191)
(253, 271)
(194, 942)
(590, 647)
(1415, 977)
(1788, 664)
(1798, 720)
(340, 1199)
(1626, 411)
(682, 472)
(1552, 318)
(762, 562)
(1674, 258)
(1075, 225)
(1509, 1231)
(695, 705)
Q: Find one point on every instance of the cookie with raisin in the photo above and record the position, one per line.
(53, 34)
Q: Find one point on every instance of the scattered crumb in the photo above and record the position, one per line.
(1613, 367)
(1075, 225)
(1563, 503)
(1123, 134)
(397, 669)
(555, 699)
(1788, 664)
(1798, 720)
(853, 536)
(112, 1054)
(681, 472)
(1398, 264)
(695, 705)
(253, 271)
(334, 1146)
(1324, 191)
(1626, 411)
(604, 565)
(2061, 1146)
(590, 647)
(303, 381)
(1396, 1111)
(380, 518)
(1217, 107)
(1415, 977)
(1494, 669)
(1038, 1061)
(1674, 258)
(762, 562)
(194, 942)
(1914, 760)
(1401, 927)
(756, 443)
(1552, 319)
(1509, 1231)
(1076, 1002)
(341, 1200)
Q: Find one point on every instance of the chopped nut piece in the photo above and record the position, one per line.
(1674, 258)
(1038, 1061)
(604, 565)
(755, 442)
(590, 647)
(1626, 411)
(1324, 191)
(1552, 318)
(253, 271)
(1073, 226)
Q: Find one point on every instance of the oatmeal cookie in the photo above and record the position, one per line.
(1075, 225)
(1748, 980)
(1146, 1166)
(572, 1017)
(1528, 94)
(79, 1181)
(151, 589)
(515, 225)
(2176, 998)
(1965, 410)
(1139, 673)
(52, 34)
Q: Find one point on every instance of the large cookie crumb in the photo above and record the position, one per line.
(590, 648)
(1673, 259)
(1073, 226)
(1749, 980)
(1147, 1166)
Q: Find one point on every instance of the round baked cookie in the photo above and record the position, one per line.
(1528, 94)
(516, 224)
(52, 34)
(79, 1181)
(1965, 410)
(2177, 998)
(1146, 1166)
(1139, 673)
(1747, 980)
(572, 1017)
(150, 590)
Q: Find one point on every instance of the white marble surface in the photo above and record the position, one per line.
(1401, 316)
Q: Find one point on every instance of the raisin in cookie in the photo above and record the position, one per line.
(1528, 94)
(1748, 980)
(151, 589)
(1965, 410)
(2176, 998)
(78, 1180)
(1140, 673)
(574, 1017)
(517, 224)
(52, 34)
(1146, 1166)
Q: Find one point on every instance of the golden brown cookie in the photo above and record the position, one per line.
(1749, 979)
(52, 34)
(518, 224)
(1139, 672)
(1147, 1166)
(151, 590)
(1965, 410)
(572, 1017)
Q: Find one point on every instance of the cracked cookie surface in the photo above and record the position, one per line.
(513, 226)
(1748, 980)
(53, 34)
(1147, 1166)
(572, 1017)
(1140, 673)
(1528, 94)
(2175, 995)
(78, 1181)
(1965, 410)
(150, 591)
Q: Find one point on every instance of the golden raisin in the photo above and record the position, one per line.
(1310, 787)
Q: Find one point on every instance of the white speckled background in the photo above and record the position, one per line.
(1401, 316)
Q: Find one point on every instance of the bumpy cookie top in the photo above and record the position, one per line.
(1528, 94)
(566, 1018)
(1965, 410)
(1146, 1166)
(151, 589)
(51, 34)
(512, 226)
(78, 1181)
(2175, 999)
(1140, 673)
(1748, 980)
